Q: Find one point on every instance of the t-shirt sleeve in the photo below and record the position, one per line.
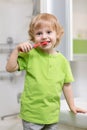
(22, 61)
(68, 73)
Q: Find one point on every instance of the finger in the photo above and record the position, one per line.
(26, 47)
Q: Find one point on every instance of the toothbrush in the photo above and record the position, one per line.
(38, 44)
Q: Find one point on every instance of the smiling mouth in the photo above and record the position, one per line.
(45, 43)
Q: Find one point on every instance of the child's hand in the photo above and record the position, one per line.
(24, 47)
(78, 110)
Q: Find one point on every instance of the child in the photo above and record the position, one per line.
(47, 74)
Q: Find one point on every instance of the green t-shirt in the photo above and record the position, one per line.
(44, 79)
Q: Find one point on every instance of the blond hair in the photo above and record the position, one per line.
(42, 20)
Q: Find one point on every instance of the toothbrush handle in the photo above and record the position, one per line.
(33, 46)
(37, 44)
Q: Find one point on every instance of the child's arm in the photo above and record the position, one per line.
(12, 64)
(67, 90)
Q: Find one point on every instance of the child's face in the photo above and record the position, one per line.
(45, 34)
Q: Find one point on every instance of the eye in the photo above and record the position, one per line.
(38, 33)
(49, 32)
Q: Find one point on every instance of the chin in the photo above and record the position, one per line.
(46, 48)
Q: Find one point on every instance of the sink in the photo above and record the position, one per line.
(67, 117)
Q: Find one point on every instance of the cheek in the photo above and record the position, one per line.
(38, 38)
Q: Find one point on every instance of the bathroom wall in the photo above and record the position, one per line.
(15, 16)
(15, 19)
(79, 69)
(79, 19)
(9, 92)
(79, 86)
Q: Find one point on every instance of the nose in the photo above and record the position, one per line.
(44, 36)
